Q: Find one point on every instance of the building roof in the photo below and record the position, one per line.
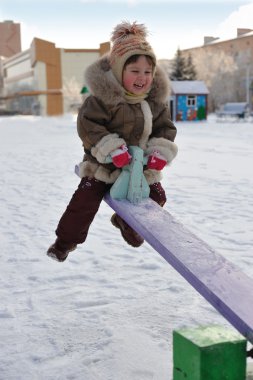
(225, 39)
(188, 87)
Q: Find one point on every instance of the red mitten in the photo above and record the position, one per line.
(121, 157)
(156, 161)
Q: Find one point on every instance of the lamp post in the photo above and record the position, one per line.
(248, 85)
(250, 97)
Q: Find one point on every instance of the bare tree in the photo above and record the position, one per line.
(72, 94)
(220, 73)
(166, 64)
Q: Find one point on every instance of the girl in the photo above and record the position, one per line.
(127, 106)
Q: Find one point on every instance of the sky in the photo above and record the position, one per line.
(84, 24)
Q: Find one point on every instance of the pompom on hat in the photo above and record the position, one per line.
(128, 40)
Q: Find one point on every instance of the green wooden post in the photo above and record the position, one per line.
(209, 353)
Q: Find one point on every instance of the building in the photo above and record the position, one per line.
(240, 45)
(10, 39)
(10, 44)
(189, 100)
(240, 48)
(44, 79)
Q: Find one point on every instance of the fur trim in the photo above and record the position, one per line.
(148, 118)
(161, 89)
(104, 175)
(103, 84)
(87, 169)
(106, 145)
(165, 147)
(153, 176)
(93, 170)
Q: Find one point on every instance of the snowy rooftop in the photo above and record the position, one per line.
(189, 87)
(217, 40)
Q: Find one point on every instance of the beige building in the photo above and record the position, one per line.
(10, 44)
(242, 43)
(10, 39)
(42, 79)
(241, 49)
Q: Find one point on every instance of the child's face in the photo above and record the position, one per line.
(138, 76)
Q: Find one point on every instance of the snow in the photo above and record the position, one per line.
(109, 311)
(188, 87)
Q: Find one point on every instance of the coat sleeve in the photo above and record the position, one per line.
(163, 135)
(162, 124)
(92, 122)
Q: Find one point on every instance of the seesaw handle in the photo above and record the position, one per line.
(131, 183)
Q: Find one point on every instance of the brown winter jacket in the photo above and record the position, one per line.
(106, 121)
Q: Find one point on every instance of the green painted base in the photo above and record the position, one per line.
(209, 353)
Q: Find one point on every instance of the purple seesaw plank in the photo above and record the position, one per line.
(219, 281)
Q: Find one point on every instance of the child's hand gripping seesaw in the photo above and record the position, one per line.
(131, 183)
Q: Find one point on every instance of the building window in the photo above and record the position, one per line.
(191, 100)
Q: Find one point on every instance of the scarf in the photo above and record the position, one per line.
(134, 99)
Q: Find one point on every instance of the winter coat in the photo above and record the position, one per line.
(106, 121)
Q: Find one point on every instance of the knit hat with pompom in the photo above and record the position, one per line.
(127, 40)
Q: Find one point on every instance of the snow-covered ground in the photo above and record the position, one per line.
(108, 312)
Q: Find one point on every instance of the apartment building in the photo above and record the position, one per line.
(242, 43)
(240, 48)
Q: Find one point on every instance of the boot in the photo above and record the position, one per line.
(128, 234)
(59, 250)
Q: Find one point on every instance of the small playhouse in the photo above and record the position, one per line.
(188, 100)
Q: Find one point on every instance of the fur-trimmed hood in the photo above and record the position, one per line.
(103, 84)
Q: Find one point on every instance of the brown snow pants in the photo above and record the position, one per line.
(74, 224)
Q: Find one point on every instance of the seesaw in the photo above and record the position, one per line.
(219, 281)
